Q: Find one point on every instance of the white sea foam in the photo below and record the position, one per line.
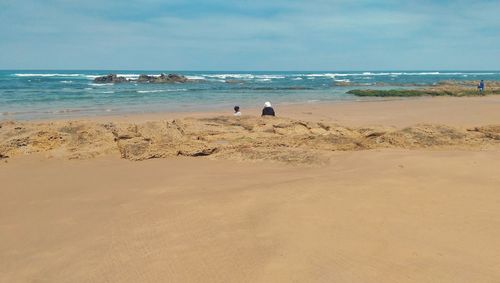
(270, 77)
(48, 75)
(430, 73)
(297, 79)
(151, 91)
(473, 74)
(129, 76)
(195, 77)
(92, 84)
(424, 74)
(161, 90)
(67, 82)
(327, 75)
(393, 74)
(232, 76)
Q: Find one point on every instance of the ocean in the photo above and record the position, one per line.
(27, 95)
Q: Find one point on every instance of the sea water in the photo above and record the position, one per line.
(26, 95)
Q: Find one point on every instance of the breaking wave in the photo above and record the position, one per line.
(161, 90)
(49, 75)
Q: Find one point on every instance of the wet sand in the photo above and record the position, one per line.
(452, 111)
(375, 215)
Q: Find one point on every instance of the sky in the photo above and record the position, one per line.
(250, 35)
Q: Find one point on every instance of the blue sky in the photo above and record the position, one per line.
(250, 35)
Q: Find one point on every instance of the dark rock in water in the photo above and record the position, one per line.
(111, 78)
(429, 91)
(145, 79)
(178, 78)
(163, 78)
(171, 78)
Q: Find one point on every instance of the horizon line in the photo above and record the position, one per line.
(321, 70)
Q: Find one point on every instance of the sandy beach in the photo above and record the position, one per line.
(383, 191)
(456, 111)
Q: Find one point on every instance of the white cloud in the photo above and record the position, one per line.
(258, 34)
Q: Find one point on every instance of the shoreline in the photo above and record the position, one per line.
(381, 91)
(211, 110)
(343, 112)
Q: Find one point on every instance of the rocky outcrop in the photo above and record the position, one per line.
(448, 83)
(161, 79)
(444, 88)
(145, 79)
(455, 84)
(243, 138)
(111, 78)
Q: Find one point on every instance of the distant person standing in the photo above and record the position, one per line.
(480, 87)
(268, 109)
(237, 111)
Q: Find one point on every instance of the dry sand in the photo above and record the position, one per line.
(402, 213)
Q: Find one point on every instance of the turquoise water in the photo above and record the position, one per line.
(28, 95)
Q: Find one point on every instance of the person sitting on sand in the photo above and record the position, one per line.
(268, 109)
(480, 86)
(237, 111)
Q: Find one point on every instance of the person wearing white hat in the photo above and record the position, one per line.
(268, 109)
(237, 111)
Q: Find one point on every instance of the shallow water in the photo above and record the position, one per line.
(28, 95)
